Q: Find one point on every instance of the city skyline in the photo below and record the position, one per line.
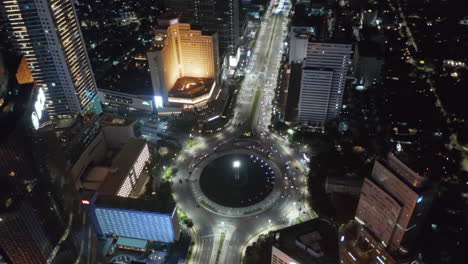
(240, 131)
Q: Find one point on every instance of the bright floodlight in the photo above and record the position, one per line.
(236, 164)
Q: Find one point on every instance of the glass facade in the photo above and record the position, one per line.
(48, 35)
(136, 224)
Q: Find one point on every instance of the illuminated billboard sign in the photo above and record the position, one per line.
(158, 101)
(39, 107)
(232, 61)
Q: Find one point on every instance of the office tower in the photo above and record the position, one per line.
(368, 63)
(183, 63)
(22, 237)
(221, 16)
(40, 221)
(48, 34)
(323, 81)
(393, 203)
(183, 7)
(227, 24)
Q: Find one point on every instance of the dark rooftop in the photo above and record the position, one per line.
(121, 165)
(156, 206)
(318, 234)
(370, 49)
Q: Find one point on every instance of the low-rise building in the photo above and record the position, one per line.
(127, 101)
(149, 220)
(313, 241)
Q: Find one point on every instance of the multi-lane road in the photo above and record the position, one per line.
(253, 112)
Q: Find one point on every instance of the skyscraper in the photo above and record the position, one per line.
(48, 34)
(323, 81)
(22, 237)
(40, 221)
(393, 202)
(221, 16)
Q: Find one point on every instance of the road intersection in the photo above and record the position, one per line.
(259, 85)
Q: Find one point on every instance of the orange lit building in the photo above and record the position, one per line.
(183, 63)
(23, 74)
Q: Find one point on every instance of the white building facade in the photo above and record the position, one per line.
(48, 34)
(323, 82)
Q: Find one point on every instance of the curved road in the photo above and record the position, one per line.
(260, 82)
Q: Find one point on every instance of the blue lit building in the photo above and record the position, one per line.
(134, 218)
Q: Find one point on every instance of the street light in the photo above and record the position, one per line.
(236, 166)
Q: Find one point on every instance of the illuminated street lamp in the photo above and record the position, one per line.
(236, 166)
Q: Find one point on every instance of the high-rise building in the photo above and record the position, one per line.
(221, 16)
(323, 81)
(48, 34)
(393, 204)
(22, 237)
(40, 221)
(183, 63)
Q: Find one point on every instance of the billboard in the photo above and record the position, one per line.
(39, 106)
(158, 101)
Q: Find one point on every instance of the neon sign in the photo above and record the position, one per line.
(158, 100)
(39, 106)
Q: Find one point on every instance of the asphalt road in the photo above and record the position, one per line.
(240, 231)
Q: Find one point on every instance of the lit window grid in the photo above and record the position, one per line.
(59, 63)
(126, 188)
(141, 161)
(187, 53)
(136, 224)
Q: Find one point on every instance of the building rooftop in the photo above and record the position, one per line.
(110, 120)
(370, 49)
(409, 168)
(121, 166)
(357, 245)
(190, 87)
(319, 235)
(131, 242)
(156, 206)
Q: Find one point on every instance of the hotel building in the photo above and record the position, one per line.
(183, 63)
(48, 34)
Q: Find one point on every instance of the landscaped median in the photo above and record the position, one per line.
(184, 218)
(254, 108)
(257, 210)
(208, 206)
(168, 173)
(191, 143)
(220, 248)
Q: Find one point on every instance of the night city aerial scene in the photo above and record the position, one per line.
(233, 132)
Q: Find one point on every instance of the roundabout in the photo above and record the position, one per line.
(236, 182)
